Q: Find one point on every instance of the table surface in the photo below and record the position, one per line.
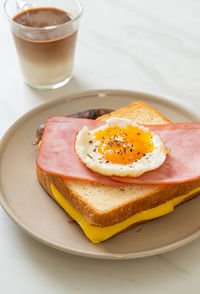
(149, 46)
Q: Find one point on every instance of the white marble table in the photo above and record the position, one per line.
(150, 46)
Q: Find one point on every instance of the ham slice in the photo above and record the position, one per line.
(183, 161)
(57, 156)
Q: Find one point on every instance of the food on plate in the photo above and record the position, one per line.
(57, 155)
(103, 207)
(120, 148)
(183, 161)
(90, 114)
(58, 142)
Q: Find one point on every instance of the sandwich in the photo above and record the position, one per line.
(104, 205)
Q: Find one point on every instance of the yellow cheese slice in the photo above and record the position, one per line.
(97, 234)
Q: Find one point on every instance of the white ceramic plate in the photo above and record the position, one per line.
(28, 205)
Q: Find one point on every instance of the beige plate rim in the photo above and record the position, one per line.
(67, 99)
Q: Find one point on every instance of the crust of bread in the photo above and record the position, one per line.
(112, 216)
(140, 113)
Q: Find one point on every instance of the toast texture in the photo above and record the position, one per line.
(104, 205)
(139, 113)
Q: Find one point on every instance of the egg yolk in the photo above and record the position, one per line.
(124, 145)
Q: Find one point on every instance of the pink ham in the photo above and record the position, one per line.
(57, 156)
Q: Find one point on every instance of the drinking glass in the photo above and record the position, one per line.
(46, 53)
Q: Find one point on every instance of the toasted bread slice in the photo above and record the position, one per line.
(139, 113)
(105, 206)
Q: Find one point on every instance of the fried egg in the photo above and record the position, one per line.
(120, 148)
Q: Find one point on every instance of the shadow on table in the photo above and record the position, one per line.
(72, 87)
(80, 273)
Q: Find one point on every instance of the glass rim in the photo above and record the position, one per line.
(47, 27)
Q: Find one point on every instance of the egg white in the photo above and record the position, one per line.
(86, 147)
